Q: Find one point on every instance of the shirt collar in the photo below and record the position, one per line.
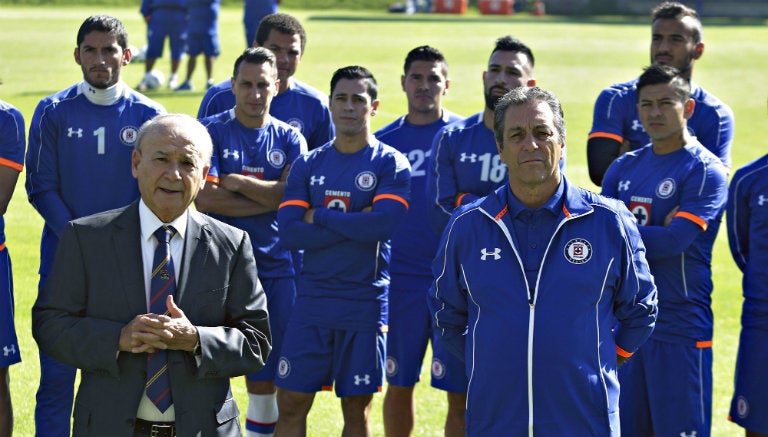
(554, 204)
(149, 222)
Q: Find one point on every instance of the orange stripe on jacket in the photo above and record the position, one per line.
(622, 353)
(392, 197)
(704, 344)
(11, 164)
(694, 218)
(300, 203)
(618, 138)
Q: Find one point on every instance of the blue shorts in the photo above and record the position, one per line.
(314, 358)
(666, 390)
(749, 407)
(10, 353)
(281, 293)
(171, 23)
(205, 43)
(410, 329)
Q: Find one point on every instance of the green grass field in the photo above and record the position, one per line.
(574, 58)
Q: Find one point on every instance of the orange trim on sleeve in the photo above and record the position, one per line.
(694, 218)
(326, 388)
(459, 198)
(11, 164)
(391, 197)
(2, 246)
(300, 203)
(704, 344)
(212, 179)
(618, 138)
(622, 353)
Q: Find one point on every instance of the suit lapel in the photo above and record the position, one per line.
(196, 246)
(126, 241)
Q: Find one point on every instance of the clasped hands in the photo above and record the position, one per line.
(150, 332)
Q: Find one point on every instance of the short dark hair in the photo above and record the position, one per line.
(510, 44)
(678, 11)
(106, 24)
(522, 96)
(256, 55)
(425, 53)
(356, 72)
(664, 74)
(283, 23)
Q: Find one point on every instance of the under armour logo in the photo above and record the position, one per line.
(316, 180)
(624, 185)
(9, 350)
(78, 132)
(471, 157)
(366, 379)
(234, 154)
(636, 125)
(685, 434)
(496, 253)
(761, 199)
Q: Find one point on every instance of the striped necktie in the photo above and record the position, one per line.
(163, 284)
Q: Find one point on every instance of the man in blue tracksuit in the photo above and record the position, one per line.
(542, 287)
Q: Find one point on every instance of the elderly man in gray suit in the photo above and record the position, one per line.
(157, 304)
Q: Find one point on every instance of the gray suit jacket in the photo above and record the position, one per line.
(97, 286)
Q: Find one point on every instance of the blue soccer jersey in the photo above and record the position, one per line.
(203, 16)
(414, 244)
(344, 279)
(264, 154)
(679, 254)
(12, 156)
(615, 117)
(79, 157)
(301, 106)
(464, 166)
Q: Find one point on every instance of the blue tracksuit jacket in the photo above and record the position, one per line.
(543, 364)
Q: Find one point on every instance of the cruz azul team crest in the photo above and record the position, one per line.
(578, 251)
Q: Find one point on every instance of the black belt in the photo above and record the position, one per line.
(155, 429)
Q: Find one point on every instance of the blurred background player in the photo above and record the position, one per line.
(78, 164)
(464, 163)
(252, 154)
(677, 41)
(425, 82)
(747, 224)
(298, 104)
(164, 18)
(11, 164)
(202, 37)
(253, 12)
(342, 203)
(677, 190)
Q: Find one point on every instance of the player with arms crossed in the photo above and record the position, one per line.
(677, 191)
(252, 154)
(343, 201)
(425, 82)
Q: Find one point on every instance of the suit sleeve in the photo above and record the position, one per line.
(447, 299)
(441, 182)
(242, 343)
(60, 321)
(42, 170)
(636, 297)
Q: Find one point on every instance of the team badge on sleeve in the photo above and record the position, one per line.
(666, 188)
(578, 251)
(276, 158)
(365, 181)
(128, 135)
